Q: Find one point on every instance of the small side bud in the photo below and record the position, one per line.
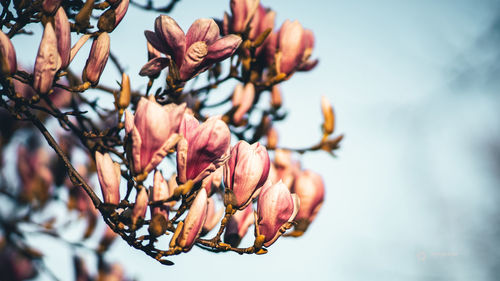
(124, 98)
(106, 21)
(328, 116)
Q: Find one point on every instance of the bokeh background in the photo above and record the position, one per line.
(414, 191)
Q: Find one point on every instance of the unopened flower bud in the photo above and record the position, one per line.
(328, 116)
(47, 61)
(106, 21)
(272, 138)
(194, 221)
(98, 57)
(63, 34)
(213, 181)
(159, 191)
(243, 100)
(109, 175)
(238, 225)
(203, 149)
(141, 205)
(153, 129)
(213, 216)
(124, 98)
(8, 59)
(276, 99)
(82, 19)
(310, 189)
(120, 11)
(245, 172)
(291, 46)
(242, 12)
(50, 6)
(276, 208)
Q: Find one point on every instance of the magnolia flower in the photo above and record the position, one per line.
(310, 189)
(63, 34)
(295, 46)
(238, 225)
(245, 172)
(276, 208)
(212, 182)
(47, 61)
(109, 175)
(243, 100)
(213, 216)
(159, 191)
(153, 129)
(202, 149)
(8, 61)
(192, 53)
(98, 57)
(120, 11)
(242, 12)
(194, 221)
(141, 205)
(262, 20)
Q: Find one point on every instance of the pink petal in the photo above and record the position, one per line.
(205, 30)
(173, 37)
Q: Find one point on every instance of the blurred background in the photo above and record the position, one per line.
(413, 193)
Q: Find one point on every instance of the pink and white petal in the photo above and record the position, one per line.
(205, 30)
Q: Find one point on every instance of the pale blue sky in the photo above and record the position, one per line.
(412, 193)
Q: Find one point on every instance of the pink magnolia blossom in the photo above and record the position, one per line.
(159, 191)
(295, 46)
(275, 208)
(213, 181)
(310, 189)
(194, 221)
(238, 225)
(203, 148)
(243, 98)
(153, 129)
(120, 11)
(8, 61)
(242, 12)
(109, 175)
(213, 216)
(141, 205)
(48, 61)
(63, 34)
(192, 53)
(98, 57)
(246, 171)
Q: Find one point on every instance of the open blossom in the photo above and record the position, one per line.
(238, 225)
(194, 221)
(154, 131)
(310, 189)
(275, 208)
(246, 171)
(193, 52)
(242, 99)
(47, 61)
(8, 61)
(98, 57)
(109, 175)
(203, 148)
